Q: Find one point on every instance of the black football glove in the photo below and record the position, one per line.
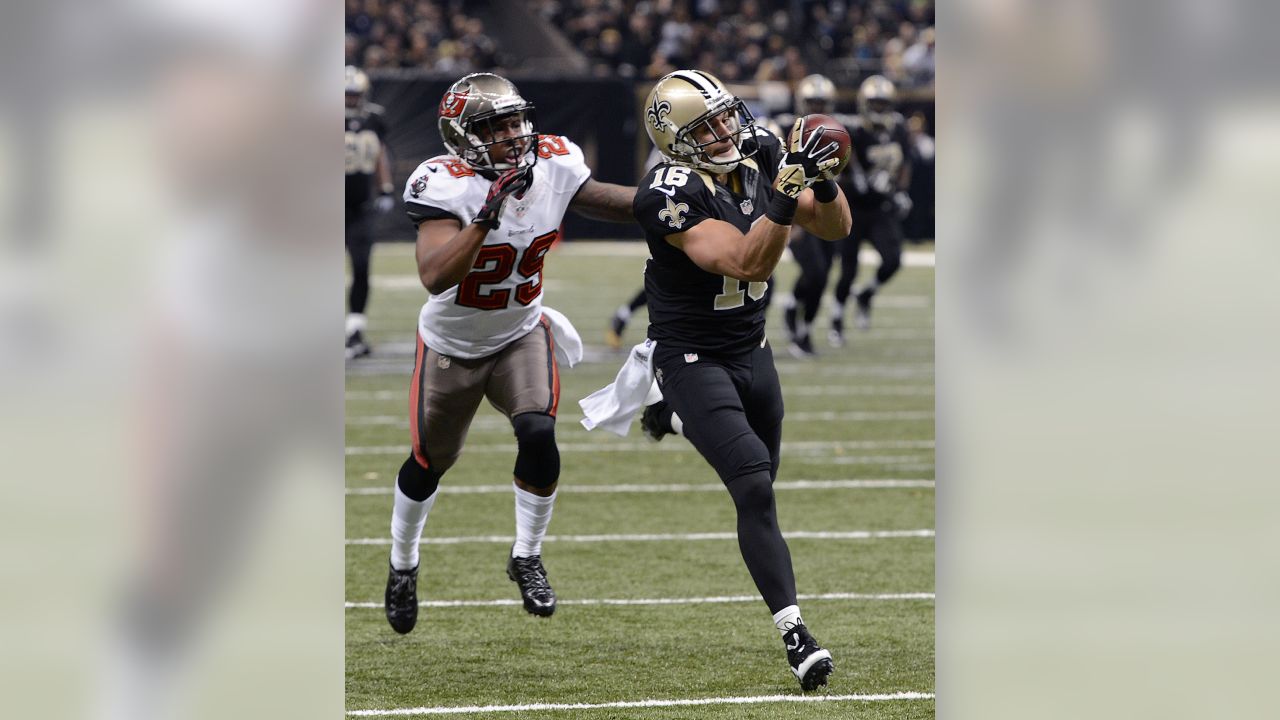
(805, 163)
(511, 182)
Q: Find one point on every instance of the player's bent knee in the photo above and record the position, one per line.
(752, 492)
(417, 482)
(538, 458)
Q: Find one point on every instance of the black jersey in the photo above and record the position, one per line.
(365, 133)
(690, 308)
(879, 153)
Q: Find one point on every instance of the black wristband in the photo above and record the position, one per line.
(782, 209)
(824, 191)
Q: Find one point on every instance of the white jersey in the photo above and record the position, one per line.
(500, 300)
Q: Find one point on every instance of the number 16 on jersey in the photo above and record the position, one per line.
(733, 295)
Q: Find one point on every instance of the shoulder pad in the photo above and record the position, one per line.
(438, 181)
(567, 158)
(672, 198)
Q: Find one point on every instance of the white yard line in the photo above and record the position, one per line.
(623, 704)
(714, 600)
(659, 537)
(888, 483)
(605, 446)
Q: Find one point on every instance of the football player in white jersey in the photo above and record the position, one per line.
(487, 213)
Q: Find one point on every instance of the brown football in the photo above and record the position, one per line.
(834, 131)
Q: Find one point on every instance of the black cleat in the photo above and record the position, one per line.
(862, 317)
(809, 663)
(528, 573)
(802, 348)
(356, 346)
(617, 326)
(789, 318)
(402, 599)
(651, 421)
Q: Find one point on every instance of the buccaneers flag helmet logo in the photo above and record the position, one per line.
(452, 103)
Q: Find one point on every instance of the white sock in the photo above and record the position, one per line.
(677, 425)
(623, 313)
(533, 514)
(787, 619)
(356, 322)
(837, 309)
(407, 521)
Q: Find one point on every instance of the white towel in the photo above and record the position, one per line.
(614, 406)
(568, 341)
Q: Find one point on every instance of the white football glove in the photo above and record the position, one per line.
(385, 203)
(805, 163)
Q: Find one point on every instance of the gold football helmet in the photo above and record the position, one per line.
(875, 100)
(815, 94)
(687, 100)
(356, 88)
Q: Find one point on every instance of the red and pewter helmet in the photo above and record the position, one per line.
(468, 114)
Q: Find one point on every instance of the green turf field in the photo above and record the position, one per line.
(855, 492)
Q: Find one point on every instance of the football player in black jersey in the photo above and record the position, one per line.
(366, 157)
(716, 215)
(880, 175)
(814, 255)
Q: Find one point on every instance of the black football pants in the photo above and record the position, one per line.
(814, 256)
(884, 230)
(359, 247)
(731, 408)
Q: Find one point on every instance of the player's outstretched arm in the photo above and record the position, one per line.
(831, 220)
(718, 247)
(446, 251)
(604, 201)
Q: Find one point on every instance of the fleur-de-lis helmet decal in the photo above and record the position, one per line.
(657, 114)
(678, 117)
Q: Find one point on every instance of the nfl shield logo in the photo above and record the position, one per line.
(746, 207)
(691, 357)
(443, 363)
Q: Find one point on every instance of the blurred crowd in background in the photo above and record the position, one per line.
(436, 35)
(738, 40)
(749, 40)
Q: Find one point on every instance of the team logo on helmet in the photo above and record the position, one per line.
(657, 114)
(452, 103)
(418, 186)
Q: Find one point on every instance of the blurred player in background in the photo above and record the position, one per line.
(486, 215)
(716, 215)
(622, 317)
(880, 173)
(814, 255)
(366, 158)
